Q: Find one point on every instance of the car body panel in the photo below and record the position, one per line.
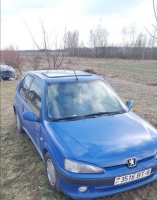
(119, 139)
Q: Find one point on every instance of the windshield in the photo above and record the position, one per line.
(73, 99)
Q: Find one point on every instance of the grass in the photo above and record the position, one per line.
(22, 171)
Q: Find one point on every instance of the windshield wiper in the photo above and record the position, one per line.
(93, 115)
(105, 113)
(71, 118)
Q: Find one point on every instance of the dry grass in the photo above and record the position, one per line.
(22, 171)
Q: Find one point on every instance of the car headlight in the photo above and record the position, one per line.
(76, 167)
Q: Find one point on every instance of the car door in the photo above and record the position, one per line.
(33, 104)
(21, 95)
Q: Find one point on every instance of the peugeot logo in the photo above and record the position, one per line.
(131, 162)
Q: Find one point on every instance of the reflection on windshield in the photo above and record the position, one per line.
(80, 99)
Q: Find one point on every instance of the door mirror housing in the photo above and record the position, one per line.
(30, 117)
(129, 104)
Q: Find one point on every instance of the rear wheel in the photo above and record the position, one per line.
(51, 173)
(18, 124)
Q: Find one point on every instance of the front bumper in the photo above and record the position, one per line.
(99, 185)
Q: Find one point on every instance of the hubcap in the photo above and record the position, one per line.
(51, 172)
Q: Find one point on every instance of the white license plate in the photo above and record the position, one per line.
(132, 177)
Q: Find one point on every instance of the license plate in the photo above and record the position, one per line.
(132, 177)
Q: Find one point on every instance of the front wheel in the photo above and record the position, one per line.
(51, 173)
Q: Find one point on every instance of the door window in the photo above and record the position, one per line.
(25, 86)
(34, 97)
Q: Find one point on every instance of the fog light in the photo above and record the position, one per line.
(82, 189)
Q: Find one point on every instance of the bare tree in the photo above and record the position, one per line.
(81, 49)
(132, 34)
(53, 57)
(152, 43)
(128, 40)
(155, 13)
(132, 38)
(72, 41)
(141, 43)
(34, 59)
(99, 40)
(154, 25)
(125, 42)
(134, 44)
(12, 57)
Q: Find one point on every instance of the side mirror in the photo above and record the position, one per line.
(30, 117)
(129, 104)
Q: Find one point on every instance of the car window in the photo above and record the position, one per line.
(25, 86)
(34, 97)
(81, 98)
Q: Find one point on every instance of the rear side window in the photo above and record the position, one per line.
(34, 97)
(25, 86)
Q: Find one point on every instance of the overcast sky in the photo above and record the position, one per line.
(70, 14)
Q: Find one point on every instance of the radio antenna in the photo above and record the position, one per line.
(75, 75)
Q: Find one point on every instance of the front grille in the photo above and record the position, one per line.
(124, 165)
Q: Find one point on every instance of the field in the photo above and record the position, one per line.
(22, 171)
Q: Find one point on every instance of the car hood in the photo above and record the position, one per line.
(108, 140)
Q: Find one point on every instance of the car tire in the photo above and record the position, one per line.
(18, 124)
(51, 174)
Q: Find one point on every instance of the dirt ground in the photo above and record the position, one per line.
(22, 171)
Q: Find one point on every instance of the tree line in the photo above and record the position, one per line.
(133, 46)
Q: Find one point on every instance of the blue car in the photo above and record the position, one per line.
(91, 144)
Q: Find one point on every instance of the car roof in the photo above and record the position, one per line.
(6, 68)
(63, 75)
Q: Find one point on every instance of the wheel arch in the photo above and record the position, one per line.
(14, 108)
(47, 149)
